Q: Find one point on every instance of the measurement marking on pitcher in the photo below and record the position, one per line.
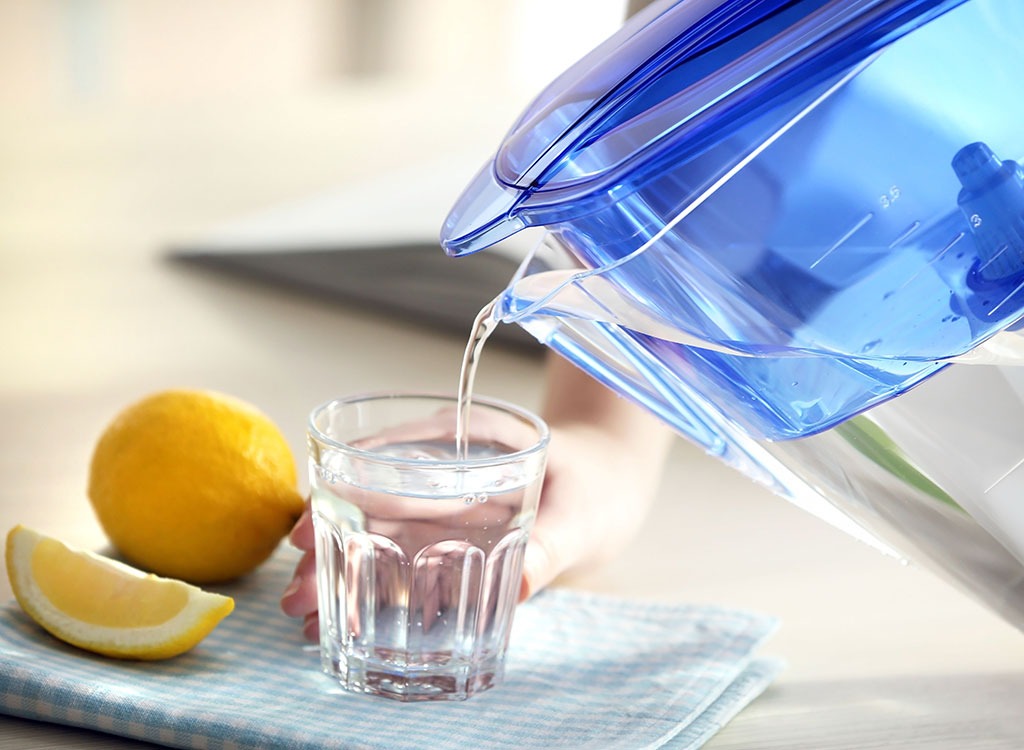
(948, 247)
(1004, 476)
(906, 233)
(849, 233)
(994, 258)
(932, 261)
(1006, 299)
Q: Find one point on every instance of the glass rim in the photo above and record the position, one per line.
(535, 421)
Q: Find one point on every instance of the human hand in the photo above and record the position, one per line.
(299, 598)
(604, 465)
(597, 491)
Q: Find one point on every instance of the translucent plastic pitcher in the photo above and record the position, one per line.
(795, 232)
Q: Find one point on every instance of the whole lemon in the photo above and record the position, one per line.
(194, 485)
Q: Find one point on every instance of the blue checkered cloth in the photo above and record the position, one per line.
(583, 671)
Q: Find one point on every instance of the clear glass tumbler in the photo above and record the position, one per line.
(420, 549)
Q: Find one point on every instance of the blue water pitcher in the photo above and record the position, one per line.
(794, 231)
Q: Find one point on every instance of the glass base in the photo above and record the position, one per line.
(448, 681)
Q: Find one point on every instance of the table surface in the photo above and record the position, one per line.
(93, 316)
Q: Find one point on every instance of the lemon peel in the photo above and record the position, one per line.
(194, 485)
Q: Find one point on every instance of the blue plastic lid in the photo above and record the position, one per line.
(674, 81)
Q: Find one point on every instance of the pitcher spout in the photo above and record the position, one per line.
(483, 215)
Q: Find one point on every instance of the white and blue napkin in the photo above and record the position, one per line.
(583, 671)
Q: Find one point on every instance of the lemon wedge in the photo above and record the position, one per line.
(105, 606)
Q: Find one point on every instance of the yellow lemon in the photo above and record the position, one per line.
(102, 605)
(194, 485)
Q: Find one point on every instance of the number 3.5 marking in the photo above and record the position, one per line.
(887, 199)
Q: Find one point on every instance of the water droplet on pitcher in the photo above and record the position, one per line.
(870, 345)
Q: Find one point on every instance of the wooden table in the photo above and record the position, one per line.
(93, 316)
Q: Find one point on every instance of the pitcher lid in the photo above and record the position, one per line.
(676, 79)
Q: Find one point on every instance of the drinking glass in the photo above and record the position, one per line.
(419, 546)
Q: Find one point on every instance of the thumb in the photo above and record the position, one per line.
(536, 569)
(551, 551)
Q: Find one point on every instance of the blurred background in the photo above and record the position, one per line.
(128, 128)
(131, 128)
(372, 83)
(89, 53)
